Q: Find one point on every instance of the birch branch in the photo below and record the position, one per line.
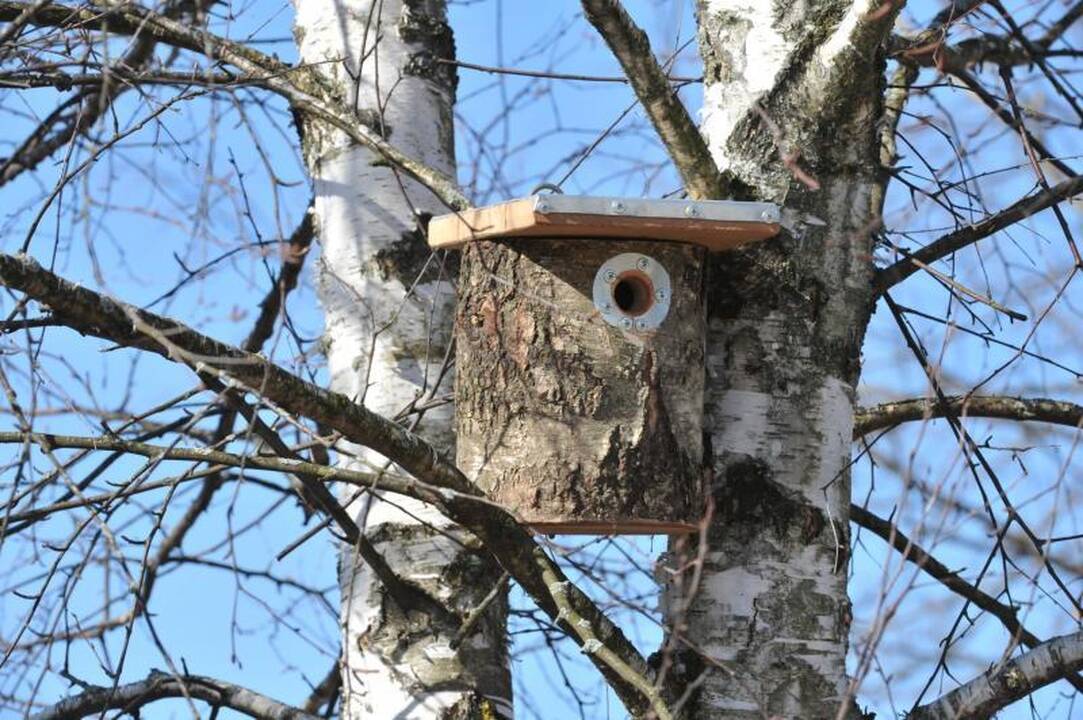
(1006, 614)
(885, 415)
(63, 81)
(450, 491)
(944, 246)
(667, 114)
(303, 89)
(78, 115)
(158, 686)
(1004, 684)
(928, 48)
(895, 97)
(407, 595)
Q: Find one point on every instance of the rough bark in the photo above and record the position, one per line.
(784, 84)
(388, 305)
(575, 424)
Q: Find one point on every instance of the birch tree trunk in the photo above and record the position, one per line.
(389, 304)
(792, 98)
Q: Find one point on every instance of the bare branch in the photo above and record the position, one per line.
(1029, 139)
(1008, 682)
(221, 458)
(294, 252)
(928, 49)
(1057, 29)
(79, 114)
(593, 645)
(313, 494)
(316, 495)
(326, 691)
(955, 11)
(546, 75)
(885, 415)
(952, 242)
(458, 498)
(101, 316)
(303, 89)
(18, 23)
(477, 613)
(130, 19)
(670, 118)
(65, 81)
(158, 686)
(1006, 614)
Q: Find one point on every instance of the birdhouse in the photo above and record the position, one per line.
(579, 343)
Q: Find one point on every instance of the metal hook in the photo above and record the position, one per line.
(547, 186)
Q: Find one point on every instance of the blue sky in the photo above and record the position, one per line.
(192, 188)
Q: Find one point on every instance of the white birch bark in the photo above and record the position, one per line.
(786, 320)
(1008, 681)
(388, 306)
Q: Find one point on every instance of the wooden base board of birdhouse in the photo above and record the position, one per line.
(619, 527)
(715, 225)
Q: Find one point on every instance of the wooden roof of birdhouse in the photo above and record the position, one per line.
(715, 224)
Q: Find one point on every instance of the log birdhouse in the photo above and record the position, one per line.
(580, 354)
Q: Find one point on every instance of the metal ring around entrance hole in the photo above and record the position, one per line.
(632, 291)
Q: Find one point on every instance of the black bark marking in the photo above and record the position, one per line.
(420, 24)
(748, 501)
(408, 257)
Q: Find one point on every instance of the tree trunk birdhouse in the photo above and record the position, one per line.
(580, 354)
